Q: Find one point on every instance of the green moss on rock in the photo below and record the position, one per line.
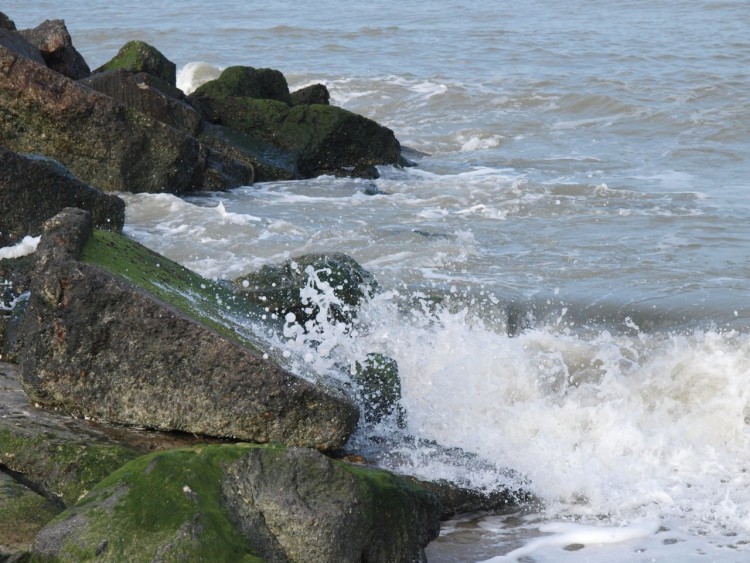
(64, 469)
(210, 302)
(139, 56)
(22, 514)
(164, 506)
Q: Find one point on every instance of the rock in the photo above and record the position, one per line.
(59, 456)
(138, 56)
(103, 143)
(13, 41)
(63, 457)
(137, 92)
(22, 514)
(379, 388)
(15, 281)
(279, 287)
(239, 502)
(52, 39)
(314, 94)
(323, 139)
(268, 162)
(34, 189)
(7, 23)
(118, 333)
(243, 82)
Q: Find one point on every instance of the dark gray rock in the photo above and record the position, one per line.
(52, 39)
(104, 143)
(34, 189)
(7, 23)
(139, 56)
(14, 41)
(313, 94)
(95, 344)
(137, 92)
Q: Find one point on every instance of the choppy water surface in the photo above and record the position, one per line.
(583, 186)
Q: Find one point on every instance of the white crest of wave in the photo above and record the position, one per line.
(195, 74)
(26, 246)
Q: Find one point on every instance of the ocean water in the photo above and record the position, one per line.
(565, 273)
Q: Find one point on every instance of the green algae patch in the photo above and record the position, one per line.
(22, 514)
(64, 469)
(206, 301)
(139, 56)
(164, 506)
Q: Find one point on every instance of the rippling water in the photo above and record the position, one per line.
(579, 207)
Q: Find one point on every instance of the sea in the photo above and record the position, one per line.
(564, 275)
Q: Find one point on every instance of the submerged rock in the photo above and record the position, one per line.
(139, 56)
(104, 143)
(117, 333)
(279, 287)
(34, 189)
(231, 503)
(52, 39)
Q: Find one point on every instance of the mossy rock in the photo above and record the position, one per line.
(244, 82)
(62, 466)
(277, 287)
(244, 502)
(139, 56)
(22, 514)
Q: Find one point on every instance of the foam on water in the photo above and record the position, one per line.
(26, 246)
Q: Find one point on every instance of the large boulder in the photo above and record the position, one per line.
(14, 41)
(115, 332)
(6, 22)
(241, 502)
(52, 39)
(323, 138)
(34, 189)
(140, 92)
(139, 56)
(102, 142)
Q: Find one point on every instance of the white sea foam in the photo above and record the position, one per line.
(194, 74)
(26, 246)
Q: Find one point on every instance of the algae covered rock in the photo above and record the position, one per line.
(61, 457)
(242, 81)
(22, 514)
(34, 189)
(118, 333)
(324, 139)
(139, 56)
(288, 287)
(244, 503)
(103, 143)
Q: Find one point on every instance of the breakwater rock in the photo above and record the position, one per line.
(127, 127)
(97, 344)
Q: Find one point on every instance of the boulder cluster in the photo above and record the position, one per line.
(140, 418)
